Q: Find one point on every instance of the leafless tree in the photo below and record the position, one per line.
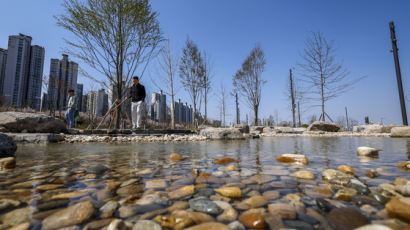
(325, 77)
(222, 96)
(168, 65)
(206, 82)
(117, 38)
(248, 80)
(191, 73)
(291, 94)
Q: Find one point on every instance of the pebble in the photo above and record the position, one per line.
(196, 217)
(236, 225)
(346, 218)
(252, 220)
(403, 189)
(271, 195)
(345, 194)
(175, 157)
(373, 227)
(399, 207)
(323, 205)
(293, 159)
(7, 163)
(76, 214)
(346, 169)
(209, 226)
(252, 202)
(130, 189)
(8, 203)
(371, 173)
(284, 211)
(146, 225)
(70, 195)
(184, 191)
(224, 161)
(231, 192)
(404, 165)
(108, 209)
(304, 174)
(16, 216)
(296, 224)
(336, 177)
(98, 224)
(367, 151)
(203, 204)
(22, 226)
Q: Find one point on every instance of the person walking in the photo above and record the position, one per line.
(137, 95)
(71, 107)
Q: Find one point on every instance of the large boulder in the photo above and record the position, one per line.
(243, 128)
(324, 126)
(370, 128)
(17, 122)
(7, 146)
(221, 133)
(256, 129)
(400, 131)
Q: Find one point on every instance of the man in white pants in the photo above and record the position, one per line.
(137, 96)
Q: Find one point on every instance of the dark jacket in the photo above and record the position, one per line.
(137, 93)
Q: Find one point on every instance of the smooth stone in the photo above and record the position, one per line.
(149, 199)
(346, 169)
(98, 170)
(98, 224)
(76, 214)
(336, 177)
(7, 163)
(324, 191)
(271, 195)
(209, 179)
(155, 184)
(307, 218)
(8, 203)
(373, 227)
(293, 159)
(323, 205)
(207, 192)
(367, 151)
(404, 165)
(395, 224)
(48, 187)
(209, 226)
(399, 207)
(369, 210)
(231, 192)
(285, 211)
(359, 186)
(16, 216)
(387, 190)
(228, 215)
(53, 204)
(252, 202)
(128, 182)
(346, 218)
(236, 225)
(117, 224)
(371, 173)
(196, 217)
(178, 205)
(7, 146)
(188, 190)
(296, 224)
(146, 225)
(70, 195)
(224, 161)
(130, 189)
(22, 226)
(108, 209)
(345, 194)
(252, 220)
(203, 204)
(403, 189)
(304, 174)
(175, 157)
(231, 168)
(362, 200)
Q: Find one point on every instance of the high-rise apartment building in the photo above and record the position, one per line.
(159, 107)
(97, 102)
(63, 76)
(35, 77)
(79, 96)
(3, 61)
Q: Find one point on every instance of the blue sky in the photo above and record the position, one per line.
(229, 29)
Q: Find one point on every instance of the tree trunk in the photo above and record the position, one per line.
(256, 108)
(172, 110)
(206, 102)
(118, 109)
(292, 94)
(322, 97)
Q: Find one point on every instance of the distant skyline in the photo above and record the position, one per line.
(227, 30)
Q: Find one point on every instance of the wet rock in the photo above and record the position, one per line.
(387, 190)
(395, 224)
(400, 131)
(293, 197)
(150, 199)
(178, 205)
(362, 200)
(7, 163)
(221, 133)
(175, 157)
(76, 214)
(52, 204)
(307, 218)
(236, 225)
(324, 191)
(271, 195)
(126, 211)
(346, 169)
(97, 224)
(203, 204)
(285, 211)
(108, 209)
(293, 159)
(175, 223)
(224, 161)
(70, 195)
(323, 205)
(46, 187)
(146, 225)
(304, 174)
(404, 165)
(185, 191)
(17, 216)
(207, 192)
(23, 226)
(296, 224)
(367, 151)
(403, 189)
(231, 192)
(196, 217)
(112, 184)
(7, 146)
(252, 202)
(209, 226)
(231, 168)
(117, 224)
(252, 220)
(373, 227)
(399, 207)
(335, 177)
(155, 184)
(229, 214)
(346, 218)
(130, 189)
(359, 186)
(324, 126)
(369, 210)
(371, 173)
(208, 179)
(8, 203)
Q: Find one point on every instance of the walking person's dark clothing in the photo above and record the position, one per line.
(137, 93)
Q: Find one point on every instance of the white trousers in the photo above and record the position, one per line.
(136, 113)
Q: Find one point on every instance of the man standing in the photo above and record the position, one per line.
(137, 95)
(71, 107)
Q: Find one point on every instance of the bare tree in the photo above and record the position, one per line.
(222, 96)
(291, 94)
(191, 73)
(168, 65)
(326, 78)
(248, 80)
(206, 82)
(117, 38)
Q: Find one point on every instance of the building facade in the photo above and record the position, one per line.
(79, 96)
(159, 107)
(23, 74)
(183, 112)
(63, 76)
(97, 102)
(3, 61)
